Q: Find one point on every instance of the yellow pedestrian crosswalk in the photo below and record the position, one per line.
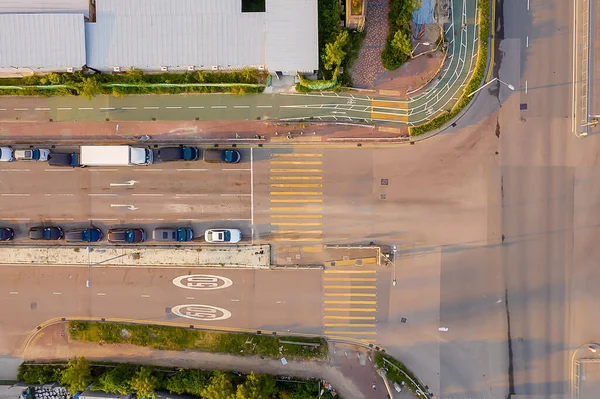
(296, 201)
(350, 302)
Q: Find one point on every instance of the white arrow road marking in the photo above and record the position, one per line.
(128, 183)
(130, 207)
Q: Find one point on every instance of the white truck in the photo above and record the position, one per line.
(115, 155)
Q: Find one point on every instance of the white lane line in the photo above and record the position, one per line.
(59, 195)
(173, 107)
(64, 109)
(218, 106)
(148, 220)
(189, 220)
(21, 109)
(189, 297)
(15, 195)
(106, 108)
(527, 41)
(104, 170)
(234, 300)
(103, 220)
(191, 170)
(527, 5)
(196, 107)
(239, 219)
(264, 106)
(85, 109)
(145, 296)
(129, 108)
(100, 293)
(525, 87)
(237, 170)
(15, 170)
(241, 106)
(42, 109)
(103, 195)
(57, 293)
(20, 219)
(147, 170)
(150, 107)
(236, 195)
(14, 292)
(59, 170)
(147, 195)
(574, 65)
(252, 191)
(3, 109)
(189, 195)
(62, 219)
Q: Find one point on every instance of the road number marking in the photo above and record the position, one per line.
(201, 312)
(202, 282)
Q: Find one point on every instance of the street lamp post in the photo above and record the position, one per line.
(394, 282)
(88, 282)
(511, 87)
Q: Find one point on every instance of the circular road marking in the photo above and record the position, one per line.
(201, 312)
(202, 282)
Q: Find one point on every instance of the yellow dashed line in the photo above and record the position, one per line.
(296, 193)
(317, 185)
(296, 177)
(297, 200)
(318, 248)
(350, 271)
(296, 224)
(296, 239)
(390, 104)
(297, 208)
(296, 216)
(348, 325)
(296, 155)
(350, 332)
(350, 302)
(297, 231)
(349, 279)
(363, 310)
(350, 317)
(296, 170)
(389, 117)
(367, 287)
(350, 294)
(296, 163)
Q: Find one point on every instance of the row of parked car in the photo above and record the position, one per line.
(165, 154)
(124, 235)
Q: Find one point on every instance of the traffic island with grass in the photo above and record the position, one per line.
(179, 339)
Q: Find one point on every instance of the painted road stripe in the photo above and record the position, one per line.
(351, 262)
(59, 170)
(13, 292)
(191, 170)
(294, 154)
(297, 231)
(360, 310)
(147, 170)
(189, 195)
(173, 107)
(103, 195)
(296, 224)
(296, 163)
(390, 104)
(196, 107)
(348, 325)
(241, 106)
(351, 271)
(297, 200)
(296, 239)
(264, 106)
(15, 170)
(104, 170)
(218, 106)
(100, 293)
(350, 302)
(297, 208)
(296, 216)
(350, 317)
(296, 177)
(296, 170)
(15, 195)
(150, 107)
(349, 332)
(129, 108)
(42, 109)
(350, 294)
(106, 108)
(147, 195)
(57, 293)
(349, 279)
(65, 109)
(21, 109)
(317, 248)
(368, 287)
(389, 117)
(296, 193)
(85, 109)
(289, 185)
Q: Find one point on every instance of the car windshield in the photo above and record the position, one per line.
(47, 233)
(129, 236)
(35, 154)
(86, 235)
(181, 235)
(187, 153)
(226, 236)
(229, 156)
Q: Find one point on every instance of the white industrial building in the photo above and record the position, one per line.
(160, 35)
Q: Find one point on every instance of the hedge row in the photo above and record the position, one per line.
(474, 82)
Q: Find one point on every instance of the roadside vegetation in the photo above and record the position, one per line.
(179, 339)
(80, 374)
(397, 372)
(397, 47)
(475, 80)
(338, 49)
(134, 82)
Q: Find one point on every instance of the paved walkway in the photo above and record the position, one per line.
(368, 66)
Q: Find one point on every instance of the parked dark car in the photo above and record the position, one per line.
(71, 160)
(126, 236)
(6, 234)
(223, 156)
(170, 234)
(46, 233)
(167, 154)
(84, 235)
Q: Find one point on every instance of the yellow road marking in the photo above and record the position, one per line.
(296, 177)
(350, 332)
(350, 317)
(389, 129)
(296, 193)
(363, 310)
(297, 231)
(351, 294)
(390, 92)
(297, 208)
(296, 162)
(349, 279)
(296, 216)
(350, 302)
(296, 239)
(389, 117)
(350, 262)
(318, 248)
(368, 287)
(296, 224)
(390, 104)
(348, 325)
(296, 170)
(297, 200)
(296, 155)
(350, 271)
(297, 185)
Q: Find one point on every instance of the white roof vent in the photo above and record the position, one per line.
(191, 68)
(116, 69)
(215, 68)
(70, 70)
(164, 68)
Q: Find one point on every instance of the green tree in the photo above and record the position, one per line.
(191, 382)
(90, 87)
(401, 43)
(256, 387)
(144, 383)
(335, 52)
(220, 387)
(78, 375)
(116, 380)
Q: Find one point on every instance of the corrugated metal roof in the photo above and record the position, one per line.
(292, 41)
(50, 6)
(42, 40)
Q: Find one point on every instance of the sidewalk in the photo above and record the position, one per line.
(348, 369)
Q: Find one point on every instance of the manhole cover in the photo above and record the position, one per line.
(523, 106)
(383, 196)
(384, 182)
(333, 263)
(403, 320)
(358, 262)
(168, 310)
(33, 306)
